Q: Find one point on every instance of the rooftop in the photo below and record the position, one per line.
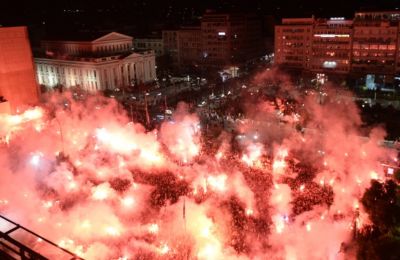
(88, 36)
(95, 57)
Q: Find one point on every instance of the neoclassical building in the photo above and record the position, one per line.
(94, 63)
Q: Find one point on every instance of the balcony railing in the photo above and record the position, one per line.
(12, 248)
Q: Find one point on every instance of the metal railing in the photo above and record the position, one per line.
(11, 248)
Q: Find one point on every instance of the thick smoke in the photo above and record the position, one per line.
(80, 174)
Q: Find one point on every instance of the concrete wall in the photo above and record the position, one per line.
(17, 76)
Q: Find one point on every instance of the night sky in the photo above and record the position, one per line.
(153, 15)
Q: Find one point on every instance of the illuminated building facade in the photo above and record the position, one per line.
(375, 46)
(17, 74)
(365, 47)
(331, 46)
(105, 62)
(293, 42)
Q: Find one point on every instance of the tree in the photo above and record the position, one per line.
(397, 175)
(381, 240)
(382, 204)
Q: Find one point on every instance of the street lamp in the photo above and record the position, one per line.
(130, 106)
(61, 135)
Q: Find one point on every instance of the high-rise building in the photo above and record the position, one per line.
(293, 42)
(365, 48)
(331, 46)
(189, 46)
(17, 76)
(150, 43)
(375, 43)
(223, 41)
(230, 38)
(94, 63)
(170, 44)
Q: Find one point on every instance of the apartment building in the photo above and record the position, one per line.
(189, 46)
(365, 48)
(155, 44)
(375, 42)
(293, 42)
(221, 41)
(230, 38)
(170, 42)
(331, 45)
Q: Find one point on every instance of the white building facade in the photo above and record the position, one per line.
(107, 62)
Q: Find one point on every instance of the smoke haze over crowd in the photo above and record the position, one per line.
(79, 173)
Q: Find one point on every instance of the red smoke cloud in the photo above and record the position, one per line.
(82, 175)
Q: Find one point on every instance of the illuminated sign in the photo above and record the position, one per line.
(337, 18)
(221, 33)
(329, 64)
(332, 35)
